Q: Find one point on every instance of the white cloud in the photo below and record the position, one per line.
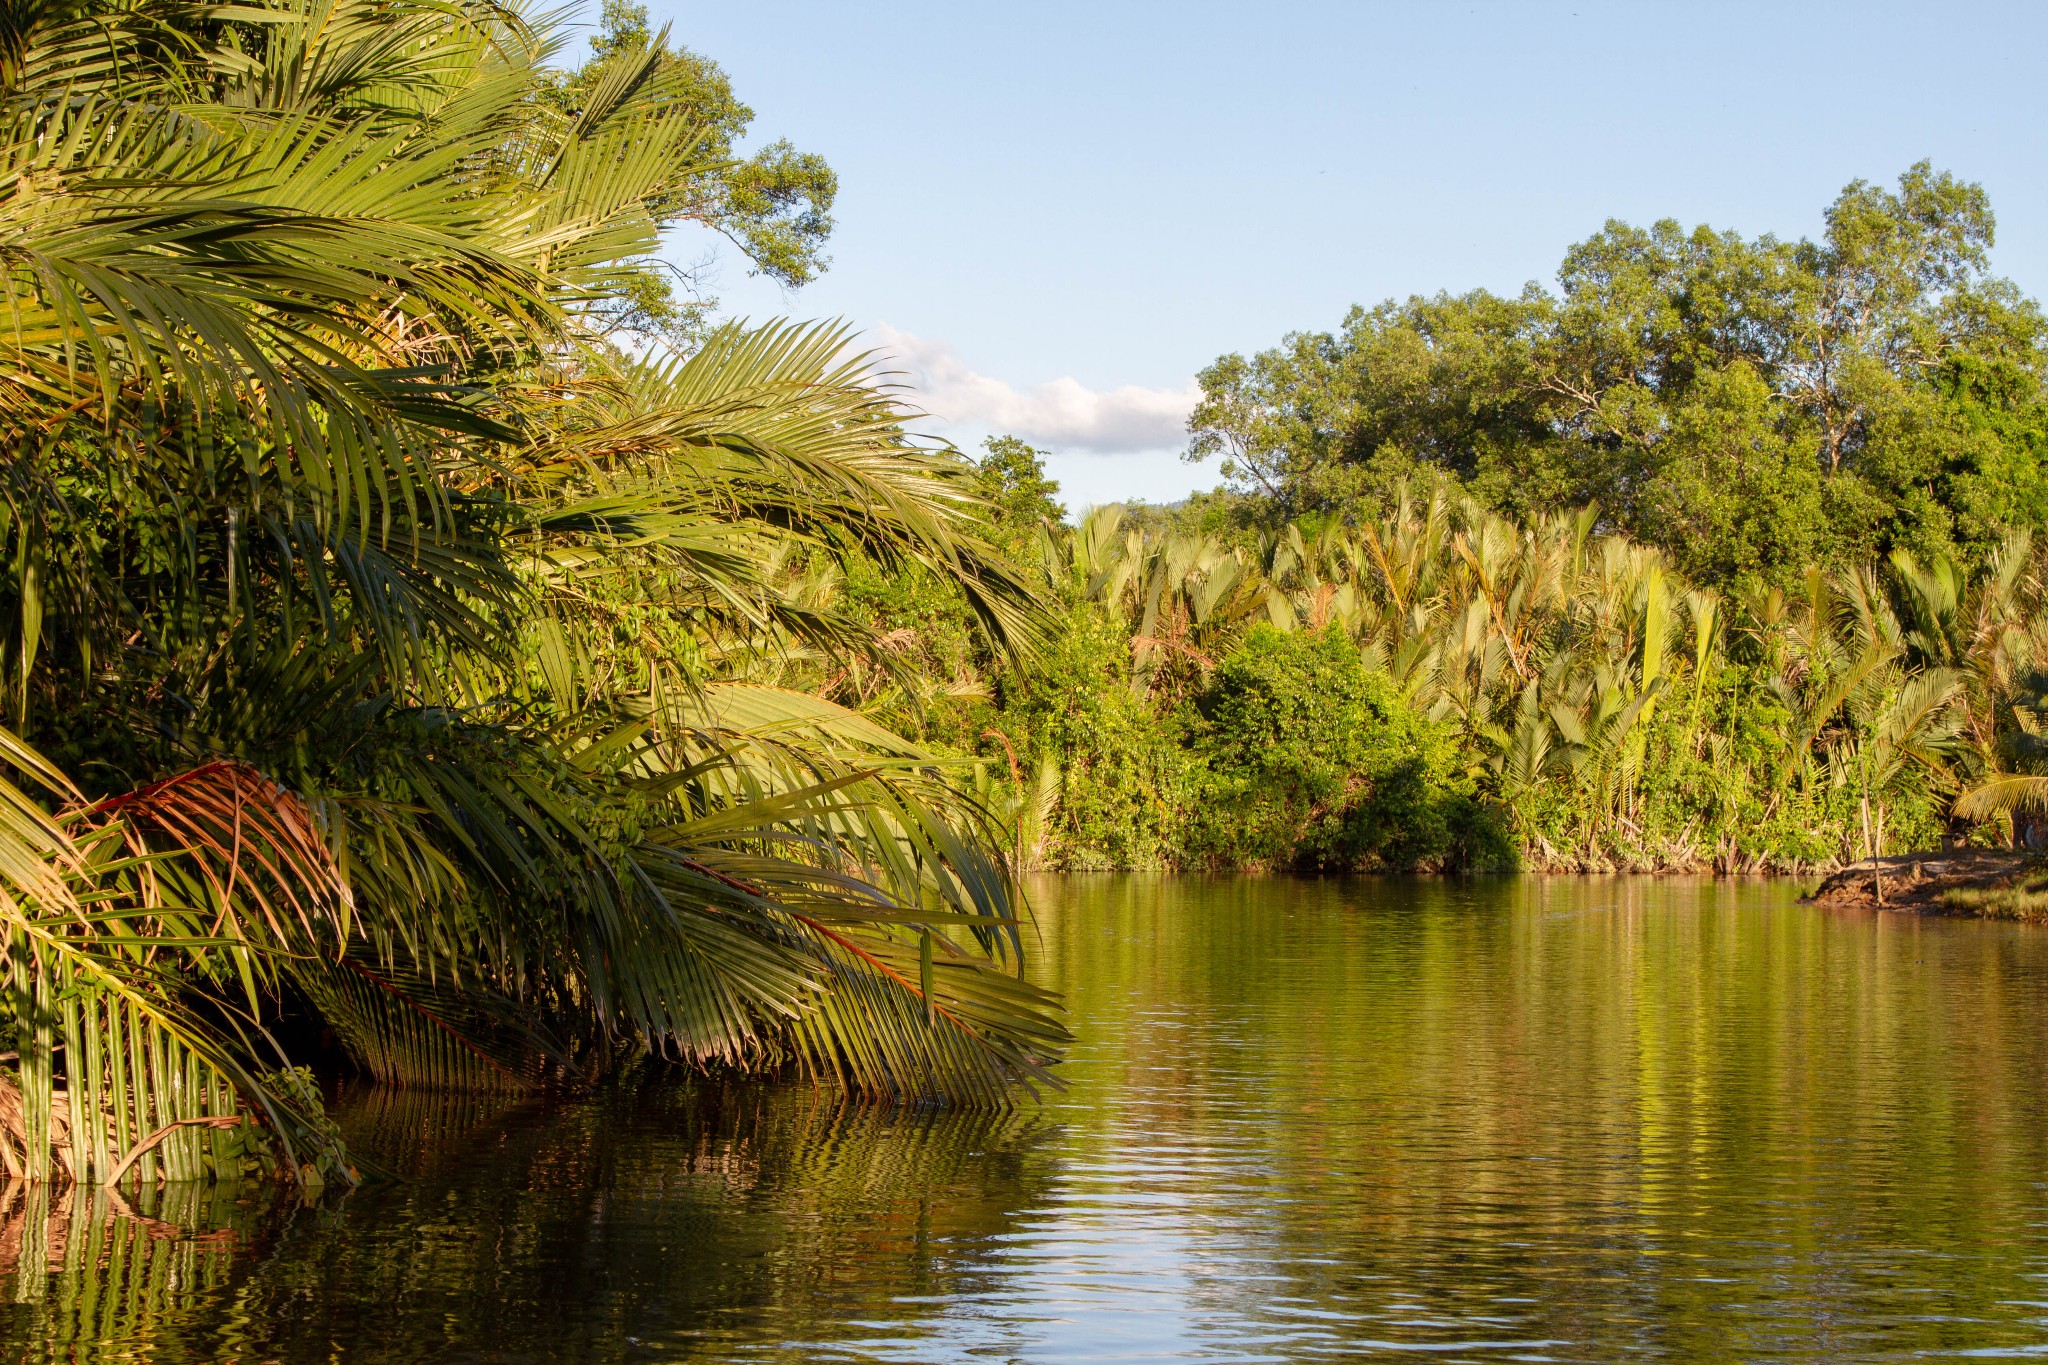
(1064, 414)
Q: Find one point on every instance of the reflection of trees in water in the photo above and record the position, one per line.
(690, 1214)
(409, 1133)
(1670, 1120)
(693, 1214)
(86, 1269)
(1669, 1117)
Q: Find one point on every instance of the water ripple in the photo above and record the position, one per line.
(1519, 1120)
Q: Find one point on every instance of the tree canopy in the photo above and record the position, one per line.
(774, 205)
(1750, 406)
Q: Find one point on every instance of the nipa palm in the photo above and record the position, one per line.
(378, 630)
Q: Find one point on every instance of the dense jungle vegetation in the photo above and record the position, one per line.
(398, 594)
(1726, 554)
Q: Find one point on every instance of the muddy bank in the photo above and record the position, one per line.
(1993, 883)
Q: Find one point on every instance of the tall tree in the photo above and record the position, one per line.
(1749, 405)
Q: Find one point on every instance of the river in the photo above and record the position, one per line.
(1513, 1119)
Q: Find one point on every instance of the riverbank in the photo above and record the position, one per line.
(1985, 883)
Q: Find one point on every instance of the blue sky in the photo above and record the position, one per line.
(1055, 214)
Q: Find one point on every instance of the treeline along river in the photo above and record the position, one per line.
(1515, 1119)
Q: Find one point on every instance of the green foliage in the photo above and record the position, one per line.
(1124, 775)
(1022, 500)
(1441, 687)
(1822, 460)
(236, 1154)
(2022, 895)
(1311, 760)
(372, 618)
(775, 204)
(1749, 406)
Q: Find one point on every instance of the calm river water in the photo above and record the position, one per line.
(1508, 1120)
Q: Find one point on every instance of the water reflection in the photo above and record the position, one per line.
(1583, 1120)
(94, 1274)
(1562, 1120)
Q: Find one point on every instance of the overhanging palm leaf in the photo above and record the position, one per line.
(375, 613)
(2004, 795)
(780, 427)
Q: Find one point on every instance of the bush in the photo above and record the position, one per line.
(1124, 772)
(1310, 760)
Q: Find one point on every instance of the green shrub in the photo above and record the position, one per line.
(1124, 771)
(1310, 760)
